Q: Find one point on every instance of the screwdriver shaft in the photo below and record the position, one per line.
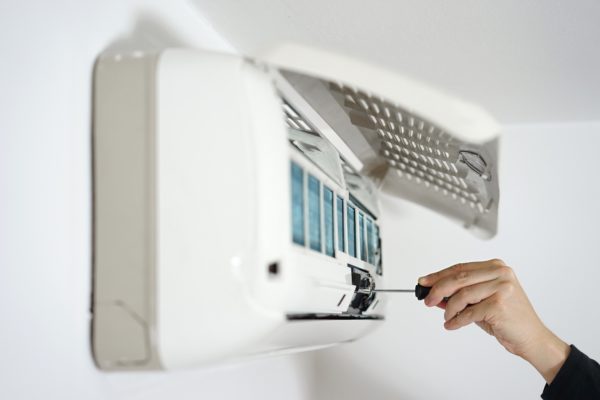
(420, 291)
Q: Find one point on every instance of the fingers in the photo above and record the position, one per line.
(431, 279)
(451, 284)
(469, 296)
(475, 313)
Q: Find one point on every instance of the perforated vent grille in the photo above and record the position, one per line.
(295, 120)
(417, 150)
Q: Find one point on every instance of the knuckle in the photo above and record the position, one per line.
(464, 294)
(497, 262)
(461, 276)
(456, 268)
(466, 315)
(506, 272)
(506, 288)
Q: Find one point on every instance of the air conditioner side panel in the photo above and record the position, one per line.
(124, 223)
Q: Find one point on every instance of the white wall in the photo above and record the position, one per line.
(523, 61)
(47, 54)
(549, 223)
(549, 218)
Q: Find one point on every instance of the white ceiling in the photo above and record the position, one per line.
(524, 61)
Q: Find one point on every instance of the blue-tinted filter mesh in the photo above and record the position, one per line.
(351, 231)
(340, 226)
(314, 213)
(297, 204)
(328, 220)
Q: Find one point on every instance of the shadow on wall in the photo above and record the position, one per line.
(148, 34)
(351, 380)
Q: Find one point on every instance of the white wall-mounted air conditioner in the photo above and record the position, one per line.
(236, 201)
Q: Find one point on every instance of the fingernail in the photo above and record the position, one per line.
(422, 280)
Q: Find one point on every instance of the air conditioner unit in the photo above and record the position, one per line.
(236, 200)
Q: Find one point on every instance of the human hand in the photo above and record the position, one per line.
(489, 294)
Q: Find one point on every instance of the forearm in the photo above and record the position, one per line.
(547, 354)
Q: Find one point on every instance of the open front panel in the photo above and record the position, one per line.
(408, 155)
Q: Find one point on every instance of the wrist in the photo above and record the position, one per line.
(547, 355)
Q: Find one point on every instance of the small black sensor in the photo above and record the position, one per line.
(273, 268)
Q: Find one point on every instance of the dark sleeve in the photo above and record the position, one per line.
(577, 379)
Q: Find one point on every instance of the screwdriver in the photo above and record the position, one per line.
(420, 291)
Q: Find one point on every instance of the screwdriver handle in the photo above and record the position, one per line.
(421, 291)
